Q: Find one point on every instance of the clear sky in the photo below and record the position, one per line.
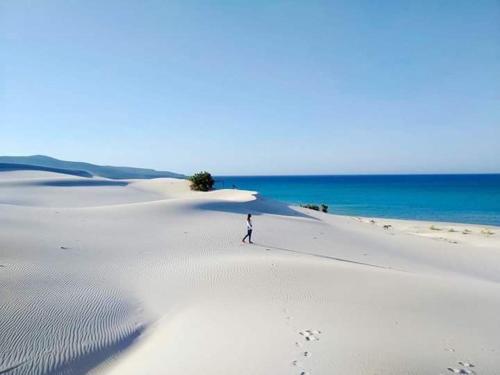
(254, 87)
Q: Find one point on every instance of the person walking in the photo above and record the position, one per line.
(249, 229)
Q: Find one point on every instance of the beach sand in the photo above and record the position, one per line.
(148, 277)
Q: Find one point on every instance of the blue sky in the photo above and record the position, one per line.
(254, 87)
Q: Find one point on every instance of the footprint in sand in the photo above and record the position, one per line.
(465, 364)
(461, 371)
(310, 335)
(466, 368)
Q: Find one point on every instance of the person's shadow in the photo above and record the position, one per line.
(269, 247)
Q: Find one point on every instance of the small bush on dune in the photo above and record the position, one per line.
(314, 207)
(487, 231)
(202, 181)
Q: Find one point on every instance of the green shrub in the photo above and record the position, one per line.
(314, 207)
(202, 181)
(487, 231)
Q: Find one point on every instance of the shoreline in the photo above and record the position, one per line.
(428, 222)
(454, 233)
(466, 198)
(381, 218)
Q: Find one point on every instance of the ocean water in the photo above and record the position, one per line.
(464, 198)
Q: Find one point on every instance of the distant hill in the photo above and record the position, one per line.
(7, 167)
(80, 168)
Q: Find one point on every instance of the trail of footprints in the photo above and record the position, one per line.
(307, 335)
(464, 368)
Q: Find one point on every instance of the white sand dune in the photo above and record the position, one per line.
(147, 277)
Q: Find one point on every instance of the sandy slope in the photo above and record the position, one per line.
(146, 277)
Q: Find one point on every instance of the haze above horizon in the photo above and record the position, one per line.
(258, 88)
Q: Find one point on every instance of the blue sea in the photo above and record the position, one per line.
(463, 198)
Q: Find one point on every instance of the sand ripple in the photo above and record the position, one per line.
(62, 326)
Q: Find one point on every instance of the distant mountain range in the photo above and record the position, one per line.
(46, 163)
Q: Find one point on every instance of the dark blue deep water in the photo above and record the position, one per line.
(454, 198)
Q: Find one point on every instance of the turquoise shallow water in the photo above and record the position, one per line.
(454, 198)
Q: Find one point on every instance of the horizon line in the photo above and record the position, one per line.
(361, 174)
